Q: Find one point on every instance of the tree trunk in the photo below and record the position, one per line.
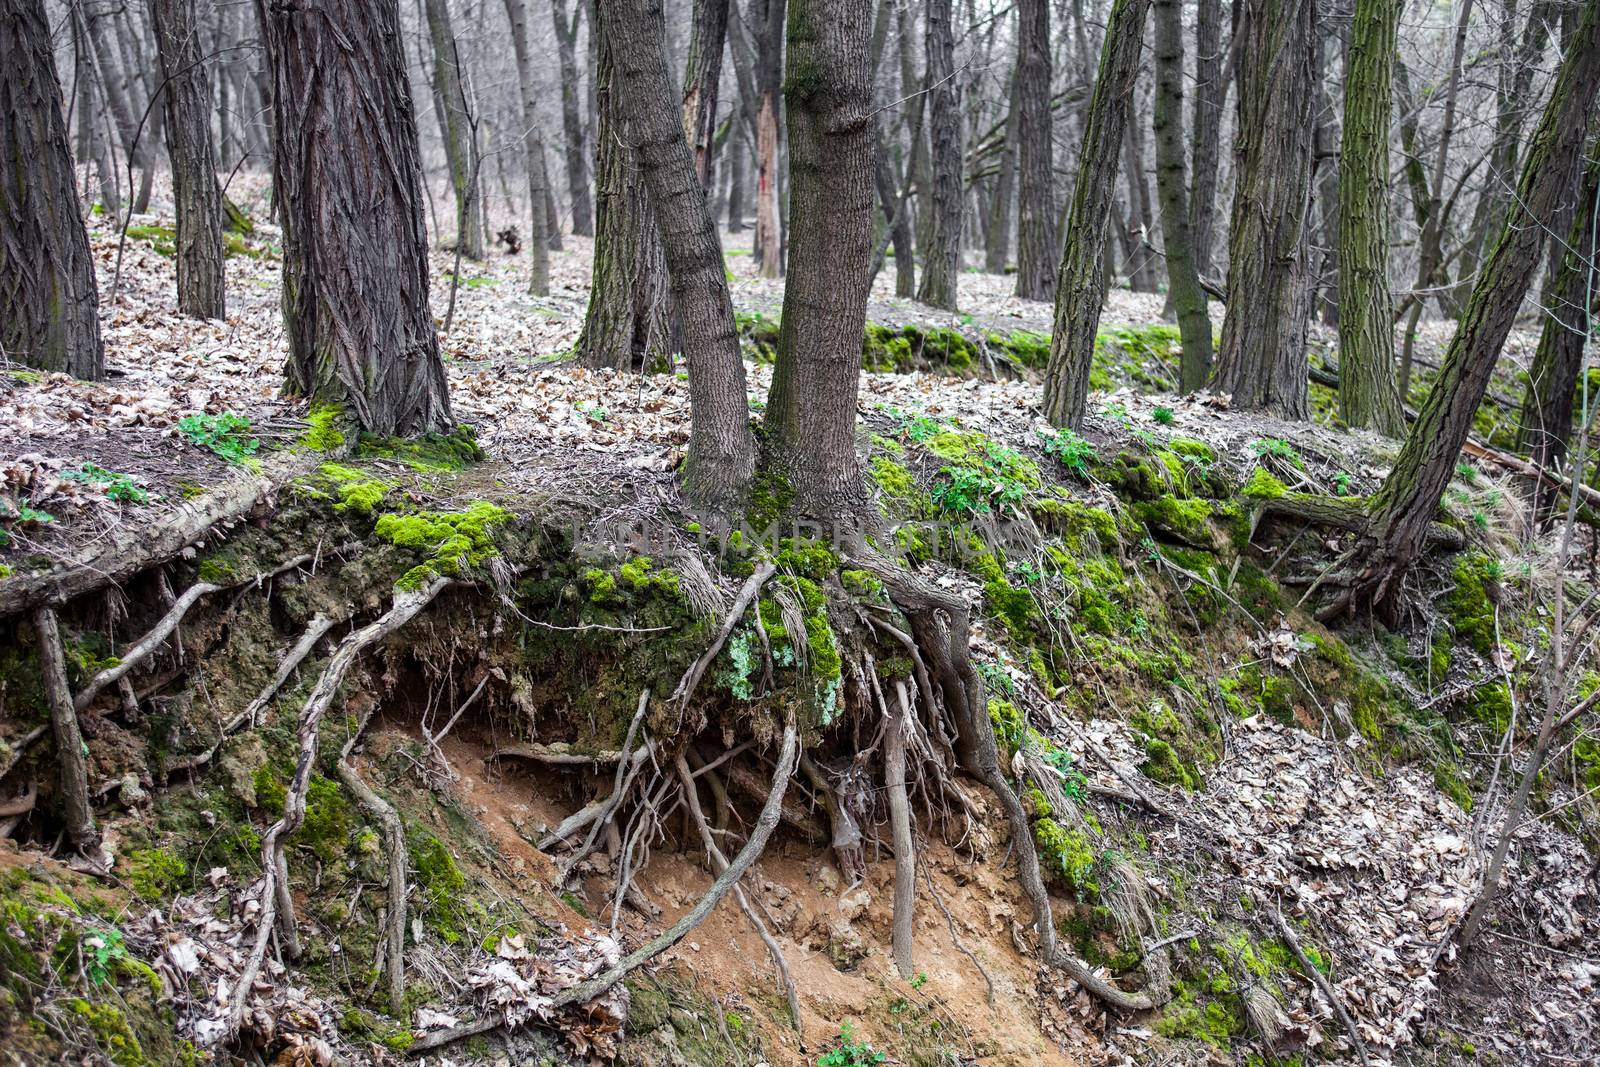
(736, 182)
(1037, 247)
(195, 193)
(457, 128)
(349, 188)
(1262, 361)
(539, 222)
(1368, 398)
(1409, 496)
(572, 118)
(941, 256)
(552, 210)
(1570, 304)
(1210, 97)
(92, 116)
(721, 455)
(1143, 277)
(766, 17)
(701, 78)
(811, 408)
(48, 306)
(997, 233)
(1183, 280)
(628, 323)
(114, 86)
(1081, 286)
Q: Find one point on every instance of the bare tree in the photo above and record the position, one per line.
(941, 253)
(539, 222)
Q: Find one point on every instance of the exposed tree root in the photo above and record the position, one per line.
(626, 770)
(558, 754)
(70, 750)
(691, 678)
(394, 846)
(135, 548)
(277, 910)
(584, 992)
(905, 849)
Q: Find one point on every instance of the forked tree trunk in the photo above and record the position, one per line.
(1036, 203)
(1210, 97)
(1409, 496)
(811, 408)
(628, 323)
(576, 145)
(195, 193)
(941, 255)
(1081, 285)
(702, 76)
(450, 87)
(349, 187)
(1368, 397)
(48, 305)
(1570, 304)
(1183, 280)
(1262, 360)
(721, 455)
(539, 221)
(766, 22)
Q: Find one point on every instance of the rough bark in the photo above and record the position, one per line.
(1262, 360)
(539, 221)
(1547, 406)
(997, 230)
(449, 83)
(811, 408)
(1081, 285)
(702, 75)
(721, 454)
(1183, 279)
(48, 304)
(1368, 397)
(349, 188)
(766, 22)
(1037, 247)
(628, 323)
(1210, 97)
(574, 142)
(192, 153)
(71, 753)
(1409, 496)
(941, 254)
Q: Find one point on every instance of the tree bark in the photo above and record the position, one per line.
(701, 78)
(1405, 503)
(449, 83)
(349, 188)
(811, 408)
(94, 134)
(997, 232)
(114, 86)
(71, 753)
(48, 305)
(1037, 246)
(572, 118)
(721, 455)
(1570, 304)
(192, 154)
(766, 22)
(1183, 279)
(628, 323)
(1081, 285)
(1210, 97)
(1368, 397)
(1143, 277)
(539, 221)
(941, 255)
(1262, 360)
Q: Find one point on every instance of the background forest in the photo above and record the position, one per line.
(799, 531)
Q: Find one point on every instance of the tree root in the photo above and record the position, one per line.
(905, 849)
(277, 909)
(70, 750)
(394, 845)
(584, 992)
(626, 770)
(691, 678)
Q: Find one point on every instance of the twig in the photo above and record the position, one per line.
(1286, 932)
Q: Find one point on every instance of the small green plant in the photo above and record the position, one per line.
(1467, 473)
(593, 412)
(919, 980)
(101, 951)
(965, 490)
(1276, 448)
(227, 435)
(848, 1052)
(118, 487)
(1343, 485)
(1116, 411)
(915, 427)
(1068, 449)
(1163, 416)
(995, 678)
(21, 513)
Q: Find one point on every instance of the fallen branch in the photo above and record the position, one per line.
(276, 908)
(1528, 469)
(147, 645)
(560, 753)
(1286, 932)
(394, 845)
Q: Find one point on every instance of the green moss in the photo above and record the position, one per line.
(355, 490)
(323, 433)
(771, 494)
(452, 542)
(442, 886)
(902, 497)
(154, 873)
(163, 239)
(1168, 516)
(1491, 705)
(329, 820)
(431, 452)
(270, 792)
(1067, 853)
(111, 1031)
(1203, 1011)
(1263, 485)
(1470, 604)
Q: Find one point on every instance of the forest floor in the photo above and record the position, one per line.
(1366, 843)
